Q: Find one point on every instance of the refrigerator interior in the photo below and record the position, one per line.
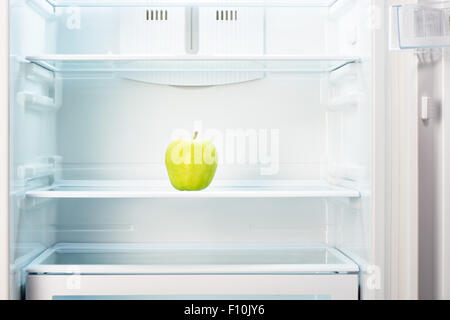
(99, 87)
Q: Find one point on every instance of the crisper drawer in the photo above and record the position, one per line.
(238, 272)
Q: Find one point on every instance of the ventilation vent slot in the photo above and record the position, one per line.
(226, 15)
(157, 15)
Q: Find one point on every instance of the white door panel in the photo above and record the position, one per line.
(47, 287)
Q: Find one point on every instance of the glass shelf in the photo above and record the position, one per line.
(181, 3)
(415, 26)
(116, 259)
(219, 189)
(121, 63)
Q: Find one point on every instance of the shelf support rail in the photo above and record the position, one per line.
(37, 101)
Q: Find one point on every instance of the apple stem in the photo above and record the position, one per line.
(195, 135)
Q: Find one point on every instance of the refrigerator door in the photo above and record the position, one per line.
(444, 222)
(434, 188)
(420, 75)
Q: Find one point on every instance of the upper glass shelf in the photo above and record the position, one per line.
(193, 63)
(424, 25)
(202, 3)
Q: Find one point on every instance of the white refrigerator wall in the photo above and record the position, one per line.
(33, 139)
(115, 128)
(120, 129)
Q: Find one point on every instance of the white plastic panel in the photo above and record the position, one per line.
(144, 31)
(193, 287)
(231, 31)
(211, 31)
(421, 26)
(190, 259)
(94, 28)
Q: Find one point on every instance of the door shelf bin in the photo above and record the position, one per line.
(420, 26)
(83, 189)
(180, 271)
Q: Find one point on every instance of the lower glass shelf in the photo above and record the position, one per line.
(67, 258)
(218, 189)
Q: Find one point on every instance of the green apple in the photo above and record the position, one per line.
(191, 163)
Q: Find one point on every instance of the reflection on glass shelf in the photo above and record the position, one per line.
(219, 189)
(192, 63)
(181, 3)
(190, 258)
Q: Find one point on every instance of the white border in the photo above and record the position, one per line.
(4, 150)
(403, 204)
(373, 284)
